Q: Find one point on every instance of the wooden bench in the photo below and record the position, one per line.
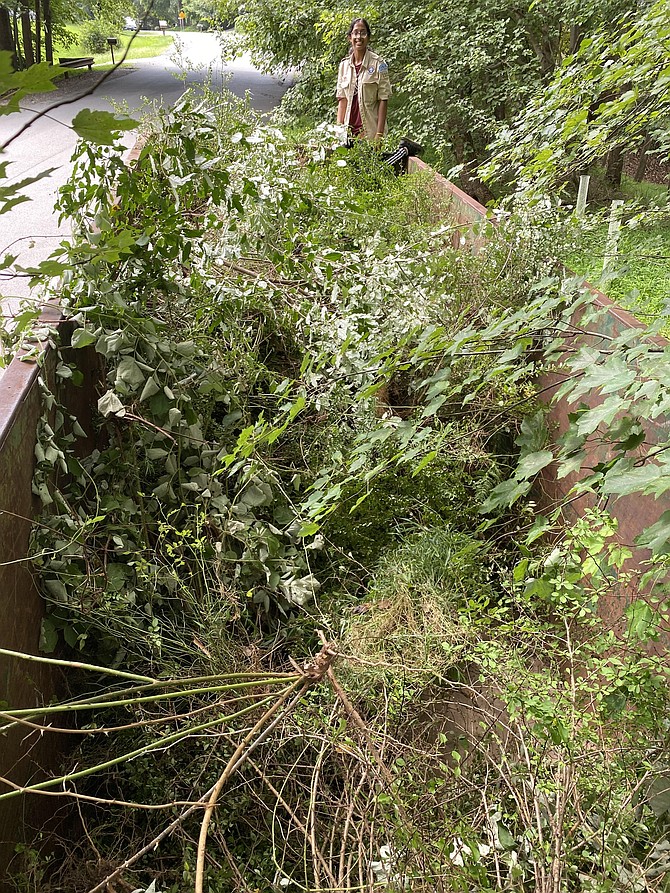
(76, 62)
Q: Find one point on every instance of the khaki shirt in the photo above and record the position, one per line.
(373, 86)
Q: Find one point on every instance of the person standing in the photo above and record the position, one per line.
(363, 87)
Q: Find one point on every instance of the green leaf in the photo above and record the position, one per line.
(657, 536)
(520, 570)
(533, 434)
(623, 479)
(642, 620)
(82, 338)
(571, 465)
(150, 388)
(613, 375)
(37, 78)
(156, 453)
(102, 128)
(257, 494)
(504, 495)
(109, 404)
(57, 590)
(507, 842)
(603, 414)
(427, 459)
(541, 526)
(559, 732)
(48, 636)
(658, 795)
(532, 463)
(130, 373)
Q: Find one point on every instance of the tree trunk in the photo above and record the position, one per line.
(27, 37)
(576, 37)
(6, 39)
(38, 31)
(48, 43)
(615, 160)
(17, 46)
(641, 168)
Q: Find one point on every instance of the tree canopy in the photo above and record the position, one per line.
(612, 94)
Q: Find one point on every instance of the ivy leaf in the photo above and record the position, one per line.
(257, 494)
(57, 590)
(82, 338)
(150, 388)
(658, 795)
(129, 372)
(109, 404)
(101, 127)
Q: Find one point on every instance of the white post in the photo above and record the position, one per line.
(613, 234)
(582, 193)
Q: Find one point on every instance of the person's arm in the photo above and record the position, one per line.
(381, 118)
(341, 109)
(383, 93)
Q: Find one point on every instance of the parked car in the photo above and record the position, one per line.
(130, 24)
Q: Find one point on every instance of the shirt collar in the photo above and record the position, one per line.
(366, 60)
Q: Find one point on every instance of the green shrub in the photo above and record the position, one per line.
(95, 33)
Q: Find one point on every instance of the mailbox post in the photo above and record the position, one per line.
(112, 42)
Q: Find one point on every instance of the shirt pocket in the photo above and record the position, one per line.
(345, 80)
(370, 87)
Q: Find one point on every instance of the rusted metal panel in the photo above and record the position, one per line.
(633, 513)
(464, 210)
(21, 683)
(26, 755)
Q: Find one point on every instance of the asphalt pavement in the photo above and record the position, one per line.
(31, 230)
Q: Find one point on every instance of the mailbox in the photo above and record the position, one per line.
(111, 43)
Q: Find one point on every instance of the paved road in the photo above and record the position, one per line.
(31, 229)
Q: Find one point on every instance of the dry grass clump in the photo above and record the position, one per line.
(420, 609)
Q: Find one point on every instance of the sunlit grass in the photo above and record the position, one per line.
(144, 45)
(638, 279)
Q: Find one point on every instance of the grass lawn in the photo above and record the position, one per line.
(144, 45)
(639, 277)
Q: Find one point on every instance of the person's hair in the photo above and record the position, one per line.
(353, 25)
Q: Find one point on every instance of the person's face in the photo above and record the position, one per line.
(359, 38)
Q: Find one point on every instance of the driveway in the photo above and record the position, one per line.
(31, 230)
